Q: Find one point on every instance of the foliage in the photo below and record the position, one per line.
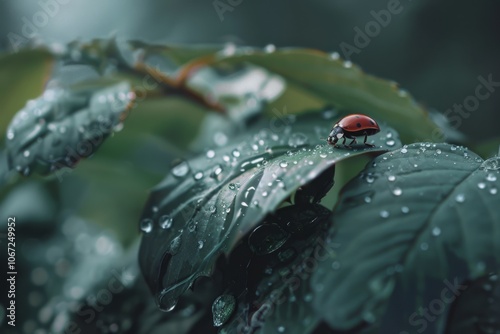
(258, 225)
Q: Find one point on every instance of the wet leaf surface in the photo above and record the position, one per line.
(417, 220)
(215, 199)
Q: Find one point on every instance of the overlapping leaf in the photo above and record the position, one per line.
(62, 126)
(417, 222)
(205, 205)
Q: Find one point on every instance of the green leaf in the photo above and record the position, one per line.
(22, 77)
(207, 204)
(477, 309)
(62, 126)
(281, 300)
(418, 220)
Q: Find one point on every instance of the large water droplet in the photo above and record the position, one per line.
(165, 222)
(493, 191)
(491, 177)
(491, 164)
(481, 185)
(390, 143)
(283, 164)
(267, 238)
(146, 225)
(404, 150)
(370, 178)
(198, 176)
(391, 178)
(236, 153)
(397, 191)
(222, 309)
(460, 198)
(166, 304)
(180, 169)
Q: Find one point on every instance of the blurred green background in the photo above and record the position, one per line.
(434, 49)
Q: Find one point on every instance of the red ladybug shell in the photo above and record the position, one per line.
(358, 122)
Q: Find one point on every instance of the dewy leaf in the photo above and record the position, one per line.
(62, 126)
(205, 205)
(418, 221)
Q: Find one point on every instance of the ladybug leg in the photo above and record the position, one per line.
(368, 144)
(353, 141)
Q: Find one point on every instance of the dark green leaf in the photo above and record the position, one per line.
(215, 199)
(62, 126)
(418, 220)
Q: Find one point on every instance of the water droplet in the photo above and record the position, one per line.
(175, 244)
(166, 304)
(384, 213)
(165, 222)
(10, 135)
(283, 164)
(391, 178)
(270, 48)
(198, 176)
(281, 329)
(212, 209)
(154, 209)
(397, 191)
(453, 148)
(222, 309)
(390, 143)
(405, 209)
(424, 246)
(181, 169)
(347, 64)
(493, 191)
(267, 238)
(323, 155)
(264, 194)
(481, 185)
(335, 265)
(232, 186)
(334, 55)
(368, 199)
(436, 231)
(220, 139)
(26, 153)
(460, 198)
(236, 153)
(200, 244)
(146, 225)
(404, 150)
(210, 154)
(217, 171)
(491, 177)
(370, 178)
(438, 151)
(491, 164)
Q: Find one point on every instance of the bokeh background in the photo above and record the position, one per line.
(434, 49)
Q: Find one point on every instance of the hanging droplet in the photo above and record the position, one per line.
(165, 222)
(267, 238)
(146, 225)
(222, 309)
(166, 304)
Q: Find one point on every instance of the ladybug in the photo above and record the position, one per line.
(352, 126)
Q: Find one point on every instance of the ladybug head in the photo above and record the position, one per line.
(336, 133)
